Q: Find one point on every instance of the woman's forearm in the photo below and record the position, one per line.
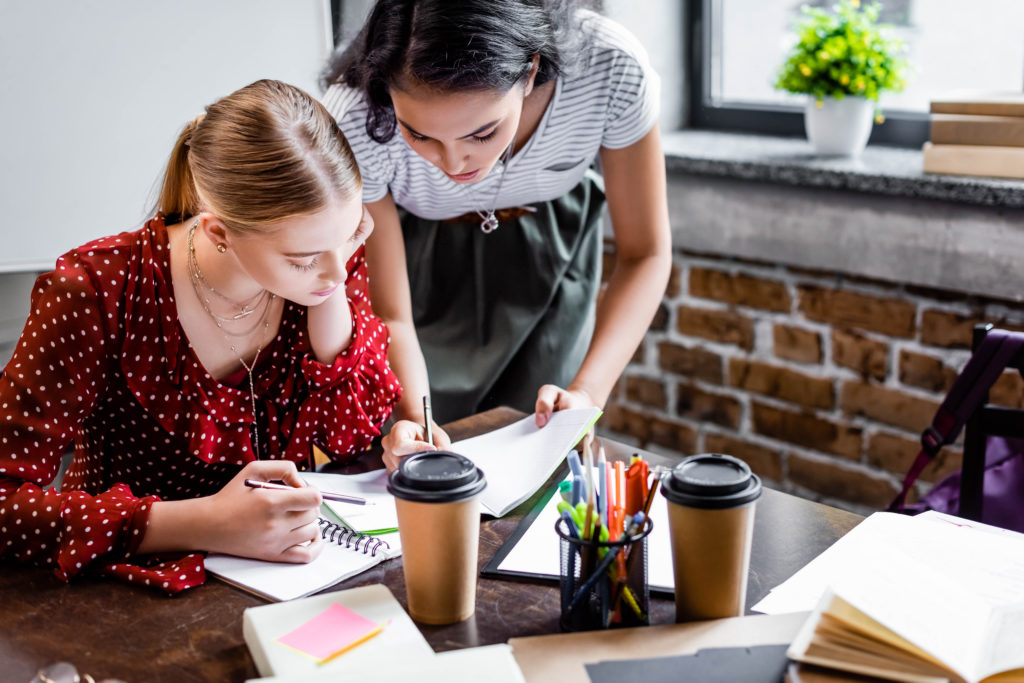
(407, 363)
(176, 525)
(624, 313)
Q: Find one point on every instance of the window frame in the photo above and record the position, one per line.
(900, 128)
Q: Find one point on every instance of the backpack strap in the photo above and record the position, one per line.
(984, 367)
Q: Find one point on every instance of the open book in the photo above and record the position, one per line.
(944, 603)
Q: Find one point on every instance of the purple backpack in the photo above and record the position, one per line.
(1002, 473)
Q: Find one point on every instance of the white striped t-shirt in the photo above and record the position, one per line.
(610, 100)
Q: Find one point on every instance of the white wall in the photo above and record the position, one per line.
(658, 24)
(95, 94)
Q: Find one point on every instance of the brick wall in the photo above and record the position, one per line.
(821, 382)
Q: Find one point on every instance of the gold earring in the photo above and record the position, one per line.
(221, 248)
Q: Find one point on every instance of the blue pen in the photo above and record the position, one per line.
(577, 476)
(570, 525)
(570, 561)
(575, 491)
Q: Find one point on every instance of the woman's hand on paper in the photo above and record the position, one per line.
(407, 437)
(267, 524)
(551, 398)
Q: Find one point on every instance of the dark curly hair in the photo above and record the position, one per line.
(453, 45)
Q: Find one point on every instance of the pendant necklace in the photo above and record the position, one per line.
(488, 219)
(261, 302)
(258, 303)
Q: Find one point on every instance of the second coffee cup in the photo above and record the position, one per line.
(438, 504)
(711, 501)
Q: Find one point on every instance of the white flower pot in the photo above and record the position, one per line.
(839, 127)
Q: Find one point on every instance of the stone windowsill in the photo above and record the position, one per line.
(878, 216)
(791, 161)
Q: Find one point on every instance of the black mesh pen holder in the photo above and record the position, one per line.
(603, 584)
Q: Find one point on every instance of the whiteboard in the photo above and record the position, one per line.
(93, 94)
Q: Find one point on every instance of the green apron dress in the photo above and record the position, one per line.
(500, 314)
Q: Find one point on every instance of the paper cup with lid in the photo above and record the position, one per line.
(711, 500)
(437, 497)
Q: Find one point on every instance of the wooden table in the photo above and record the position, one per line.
(111, 629)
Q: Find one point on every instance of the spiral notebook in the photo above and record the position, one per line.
(346, 553)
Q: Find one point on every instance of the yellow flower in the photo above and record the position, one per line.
(844, 79)
(879, 118)
(805, 70)
(824, 56)
(819, 104)
(855, 3)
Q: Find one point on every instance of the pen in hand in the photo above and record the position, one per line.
(328, 495)
(427, 419)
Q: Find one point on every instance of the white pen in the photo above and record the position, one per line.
(328, 495)
(427, 419)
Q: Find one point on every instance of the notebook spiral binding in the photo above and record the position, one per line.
(350, 538)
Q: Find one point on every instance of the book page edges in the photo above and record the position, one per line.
(841, 611)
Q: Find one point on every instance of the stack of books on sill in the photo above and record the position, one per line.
(977, 134)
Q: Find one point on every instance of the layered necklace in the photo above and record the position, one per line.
(488, 219)
(258, 306)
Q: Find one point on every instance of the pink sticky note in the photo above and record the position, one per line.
(330, 633)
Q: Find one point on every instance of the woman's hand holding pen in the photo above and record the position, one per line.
(407, 437)
(275, 525)
(280, 526)
(551, 398)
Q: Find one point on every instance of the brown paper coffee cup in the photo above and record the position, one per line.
(438, 504)
(711, 501)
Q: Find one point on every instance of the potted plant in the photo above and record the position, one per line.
(844, 60)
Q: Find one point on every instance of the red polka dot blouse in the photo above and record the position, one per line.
(103, 361)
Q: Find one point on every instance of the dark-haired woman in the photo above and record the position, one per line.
(488, 246)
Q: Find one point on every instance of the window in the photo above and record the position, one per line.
(739, 44)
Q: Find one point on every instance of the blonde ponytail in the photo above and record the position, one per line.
(178, 197)
(262, 154)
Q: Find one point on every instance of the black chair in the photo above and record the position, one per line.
(987, 420)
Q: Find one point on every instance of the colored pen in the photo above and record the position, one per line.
(620, 498)
(570, 525)
(427, 419)
(588, 464)
(602, 485)
(601, 568)
(577, 476)
(328, 495)
(620, 586)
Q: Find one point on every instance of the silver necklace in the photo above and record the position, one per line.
(260, 302)
(489, 221)
(196, 277)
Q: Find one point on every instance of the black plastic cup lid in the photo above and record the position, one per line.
(711, 481)
(436, 477)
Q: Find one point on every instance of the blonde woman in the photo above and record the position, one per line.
(220, 342)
